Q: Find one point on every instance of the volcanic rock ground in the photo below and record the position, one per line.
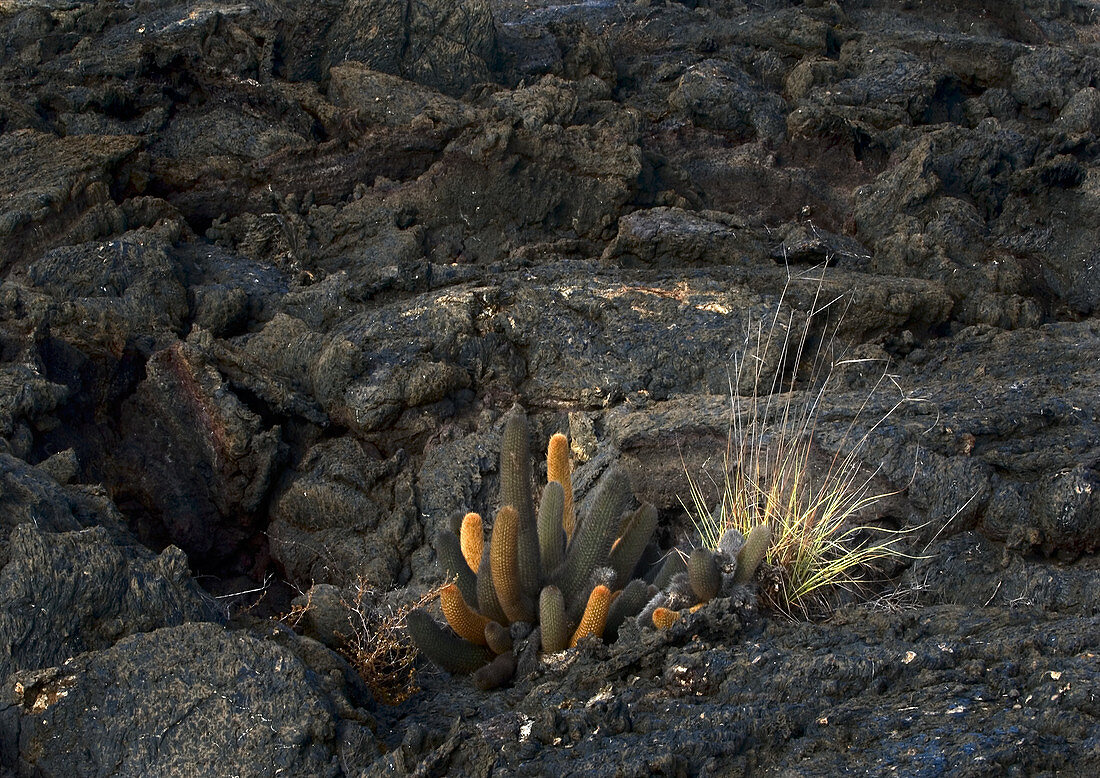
(271, 274)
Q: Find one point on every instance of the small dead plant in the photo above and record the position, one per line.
(379, 647)
(376, 643)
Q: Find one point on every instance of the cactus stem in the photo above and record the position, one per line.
(595, 615)
(559, 468)
(663, 618)
(472, 539)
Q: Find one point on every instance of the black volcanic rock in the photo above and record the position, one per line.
(192, 454)
(30, 496)
(272, 273)
(221, 701)
(57, 191)
(342, 518)
(443, 44)
(67, 593)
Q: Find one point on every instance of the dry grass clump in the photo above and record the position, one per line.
(773, 474)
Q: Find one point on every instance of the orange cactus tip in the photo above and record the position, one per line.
(472, 539)
(663, 618)
(464, 620)
(559, 468)
(595, 615)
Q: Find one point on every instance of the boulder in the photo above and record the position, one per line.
(70, 592)
(221, 701)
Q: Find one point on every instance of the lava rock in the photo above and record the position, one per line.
(67, 593)
(204, 687)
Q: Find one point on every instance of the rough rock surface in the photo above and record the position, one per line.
(65, 593)
(145, 706)
(272, 273)
(943, 689)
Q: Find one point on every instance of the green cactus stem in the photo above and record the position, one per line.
(551, 534)
(592, 540)
(443, 647)
(629, 548)
(515, 490)
(555, 629)
(703, 574)
(496, 673)
(672, 566)
(752, 553)
(498, 638)
(629, 603)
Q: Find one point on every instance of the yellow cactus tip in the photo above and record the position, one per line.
(557, 456)
(464, 620)
(595, 615)
(472, 539)
(663, 618)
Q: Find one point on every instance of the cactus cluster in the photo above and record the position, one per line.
(688, 586)
(571, 576)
